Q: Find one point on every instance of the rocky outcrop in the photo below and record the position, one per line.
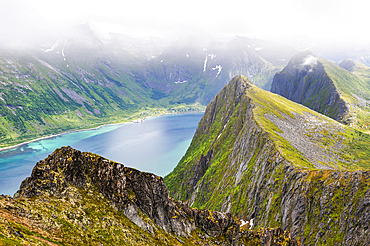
(130, 191)
(301, 181)
(304, 80)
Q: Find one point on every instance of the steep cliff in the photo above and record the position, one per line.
(326, 88)
(75, 198)
(261, 156)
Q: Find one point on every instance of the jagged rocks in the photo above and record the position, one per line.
(137, 194)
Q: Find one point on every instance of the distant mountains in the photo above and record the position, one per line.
(77, 81)
(340, 92)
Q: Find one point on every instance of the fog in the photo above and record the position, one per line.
(26, 21)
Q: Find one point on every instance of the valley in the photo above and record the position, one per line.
(78, 82)
(285, 167)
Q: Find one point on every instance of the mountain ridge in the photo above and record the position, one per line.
(259, 155)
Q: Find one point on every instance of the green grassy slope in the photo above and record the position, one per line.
(262, 156)
(43, 94)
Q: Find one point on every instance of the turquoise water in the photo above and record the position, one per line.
(155, 145)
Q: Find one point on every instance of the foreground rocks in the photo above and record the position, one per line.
(69, 176)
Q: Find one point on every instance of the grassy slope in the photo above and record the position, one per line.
(40, 100)
(83, 218)
(350, 85)
(355, 151)
(261, 189)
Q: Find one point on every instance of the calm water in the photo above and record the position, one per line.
(155, 145)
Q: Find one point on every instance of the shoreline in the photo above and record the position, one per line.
(88, 129)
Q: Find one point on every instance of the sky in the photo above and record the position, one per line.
(267, 19)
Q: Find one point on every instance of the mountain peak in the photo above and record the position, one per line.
(347, 64)
(265, 157)
(327, 88)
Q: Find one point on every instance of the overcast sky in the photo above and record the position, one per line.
(325, 19)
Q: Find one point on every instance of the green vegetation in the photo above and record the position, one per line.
(278, 162)
(85, 217)
(42, 98)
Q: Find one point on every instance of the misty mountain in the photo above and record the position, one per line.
(327, 88)
(75, 80)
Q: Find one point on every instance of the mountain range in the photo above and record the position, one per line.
(76, 81)
(264, 168)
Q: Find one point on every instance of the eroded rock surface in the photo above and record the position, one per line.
(130, 191)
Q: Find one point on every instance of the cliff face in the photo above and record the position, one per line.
(261, 156)
(326, 88)
(77, 198)
(305, 81)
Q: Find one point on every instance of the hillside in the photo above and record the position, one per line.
(79, 198)
(196, 70)
(76, 81)
(326, 88)
(357, 68)
(259, 155)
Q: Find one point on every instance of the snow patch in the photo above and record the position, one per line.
(187, 55)
(52, 47)
(219, 67)
(212, 56)
(180, 82)
(205, 64)
(222, 130)
(248, 222)
(162, 60)
(64, 57)
(258, 48)
(243, 223)
(204, 49)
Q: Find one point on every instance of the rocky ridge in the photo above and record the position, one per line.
(79, 187)
(264, 157)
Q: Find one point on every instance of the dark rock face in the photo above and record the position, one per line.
(129, 190)
(200, 169)
(305, 81)
(347, 64)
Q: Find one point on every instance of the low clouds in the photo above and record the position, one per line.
(310, 61)
(27, 20)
